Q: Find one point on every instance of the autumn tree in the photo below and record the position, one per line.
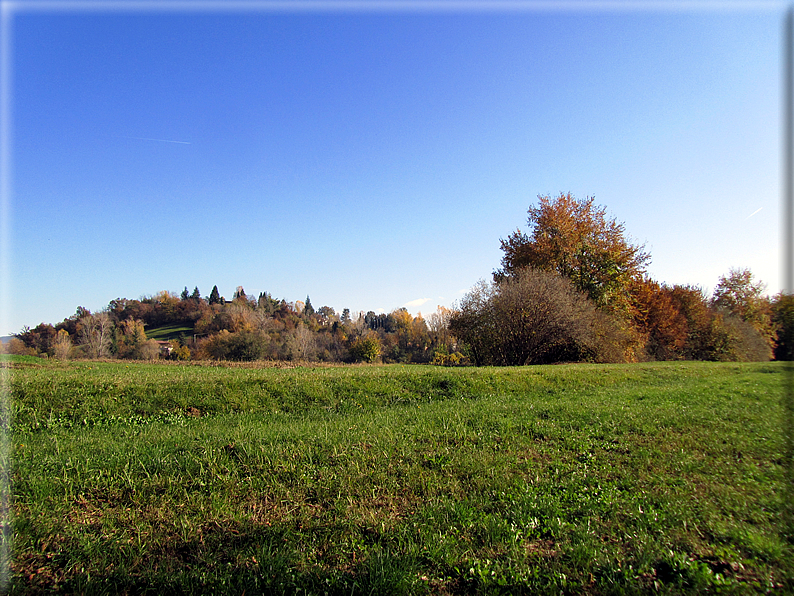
(215, 320)
(366, 348)
(404, 338)
(165, 309)
(179, 351)
(62, 345)
(399, 320)
(131, 341)
(243, 317)
(70, 323)
(783, 319)
(122, 309)
(419, 334)
(741, 295)
(715, 332)
(20, 348)
(445, 344)
(656, 316)
(577, 240)
(190, 311)
(693, 304)
(326, 315)
(438, 322)
(40, 339)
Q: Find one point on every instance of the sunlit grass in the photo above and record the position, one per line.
(396, 479)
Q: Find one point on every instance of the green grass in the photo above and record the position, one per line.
(169, 332)
(15, 359)
(594, 479)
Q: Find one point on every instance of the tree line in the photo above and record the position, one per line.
(575, 288)
(244, 328)
(572, 288)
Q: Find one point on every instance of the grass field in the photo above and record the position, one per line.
(169, 332)
(577, 479)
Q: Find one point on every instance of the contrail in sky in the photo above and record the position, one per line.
(753, 213)
(160, 140)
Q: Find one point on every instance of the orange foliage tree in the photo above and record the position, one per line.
(576, 239)
(657, 317)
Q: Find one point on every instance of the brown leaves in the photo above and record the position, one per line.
(657, 316)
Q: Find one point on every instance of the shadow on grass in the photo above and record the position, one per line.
(233, 560)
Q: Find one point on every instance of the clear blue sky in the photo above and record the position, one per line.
(374, 159)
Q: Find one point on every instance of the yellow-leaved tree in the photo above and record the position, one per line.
(576, 239)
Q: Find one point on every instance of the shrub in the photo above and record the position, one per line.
(616, 340)
(534, 317)
(442, 357)
(179, 351)
(734, 339)
(148, 350)
(366, 348)
(242, 346)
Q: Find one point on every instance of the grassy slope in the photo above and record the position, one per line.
(169, 332)
(398, 479)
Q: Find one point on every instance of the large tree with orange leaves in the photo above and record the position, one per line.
(577, 239)
(657, 317)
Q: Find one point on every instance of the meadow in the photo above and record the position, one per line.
(135, 478)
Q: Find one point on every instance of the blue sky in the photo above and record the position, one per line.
(372, 159)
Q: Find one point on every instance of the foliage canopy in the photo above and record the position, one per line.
(576, 239)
